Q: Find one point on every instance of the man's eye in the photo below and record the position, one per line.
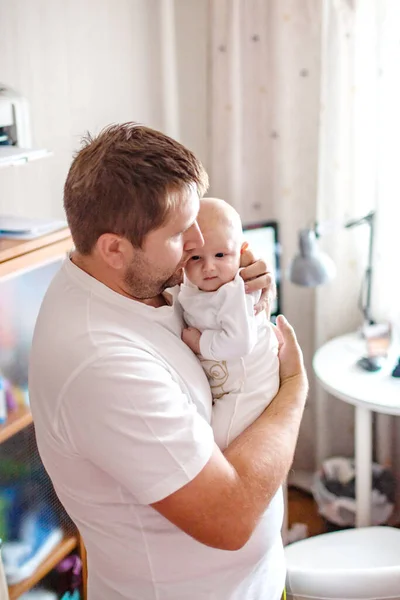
(219, 255)
(195, 258)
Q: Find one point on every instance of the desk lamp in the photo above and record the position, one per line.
(311, 268)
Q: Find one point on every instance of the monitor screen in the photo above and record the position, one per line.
(263, 241)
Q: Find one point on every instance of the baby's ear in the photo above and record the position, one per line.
(244, 247)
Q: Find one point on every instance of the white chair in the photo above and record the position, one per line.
(353, 564)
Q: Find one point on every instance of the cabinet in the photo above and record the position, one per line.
(19, 259)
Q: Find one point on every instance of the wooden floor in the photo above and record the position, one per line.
(303, 509)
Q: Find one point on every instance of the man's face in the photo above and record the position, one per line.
(160, 262)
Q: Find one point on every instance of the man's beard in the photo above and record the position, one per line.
(146, 285)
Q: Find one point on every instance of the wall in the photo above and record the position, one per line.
(193, 83)
(85, 63)
(82, 64)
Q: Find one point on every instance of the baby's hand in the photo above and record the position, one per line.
(191, 336)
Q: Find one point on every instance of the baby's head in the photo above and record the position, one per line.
(218, 261)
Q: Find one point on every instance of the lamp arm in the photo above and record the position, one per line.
(370, 220)
(367, 313)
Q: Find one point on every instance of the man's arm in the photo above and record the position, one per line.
(222, 505)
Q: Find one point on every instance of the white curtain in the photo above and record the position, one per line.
(304, 124)
(386, 297)
(358, 171)
(264, 68)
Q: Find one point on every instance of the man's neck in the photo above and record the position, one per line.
(156, 302)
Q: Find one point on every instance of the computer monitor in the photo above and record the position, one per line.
(263, 240)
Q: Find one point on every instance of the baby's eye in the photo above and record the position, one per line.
(219, 255)
(195, 258)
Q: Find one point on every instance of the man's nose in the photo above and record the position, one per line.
(194, 238)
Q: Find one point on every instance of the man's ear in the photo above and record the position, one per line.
(113, 249)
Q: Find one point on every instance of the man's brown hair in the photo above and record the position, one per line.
(123, 182)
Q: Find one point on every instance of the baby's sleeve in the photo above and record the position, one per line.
(237, 332)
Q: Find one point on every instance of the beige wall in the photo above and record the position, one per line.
(85, 63)
(82, 64)
(193, 82)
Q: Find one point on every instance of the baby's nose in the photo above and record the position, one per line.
(209, 266)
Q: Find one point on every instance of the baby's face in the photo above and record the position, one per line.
(215, 263)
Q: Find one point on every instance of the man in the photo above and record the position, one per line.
(122, 407)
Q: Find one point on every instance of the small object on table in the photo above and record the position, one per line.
(371, 363)
(378, 338)
(396, 370)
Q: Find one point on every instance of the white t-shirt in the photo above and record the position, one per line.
(239, 354)
(122, 414)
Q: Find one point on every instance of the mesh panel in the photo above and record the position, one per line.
(27, 490)
(29, 507)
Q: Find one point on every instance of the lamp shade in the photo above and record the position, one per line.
(310, 267)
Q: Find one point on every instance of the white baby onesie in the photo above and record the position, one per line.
(238, 352)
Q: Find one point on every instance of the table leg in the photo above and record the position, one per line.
(363, 459)
(384, 440)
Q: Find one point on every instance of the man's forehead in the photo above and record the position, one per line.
(184, 207)
(184, 194)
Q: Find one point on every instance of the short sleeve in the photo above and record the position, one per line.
(127, 415)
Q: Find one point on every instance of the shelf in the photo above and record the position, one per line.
(61, 551)
(17, 420)
(12, 248)
(18, 255)
(12, 156)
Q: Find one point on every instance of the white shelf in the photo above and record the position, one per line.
(11, 155)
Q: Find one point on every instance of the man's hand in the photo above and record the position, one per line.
(191, 336)
(291, 365)
(257, 277)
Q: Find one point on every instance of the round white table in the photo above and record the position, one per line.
(335, 365)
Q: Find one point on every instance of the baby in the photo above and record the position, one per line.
(238, 350)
